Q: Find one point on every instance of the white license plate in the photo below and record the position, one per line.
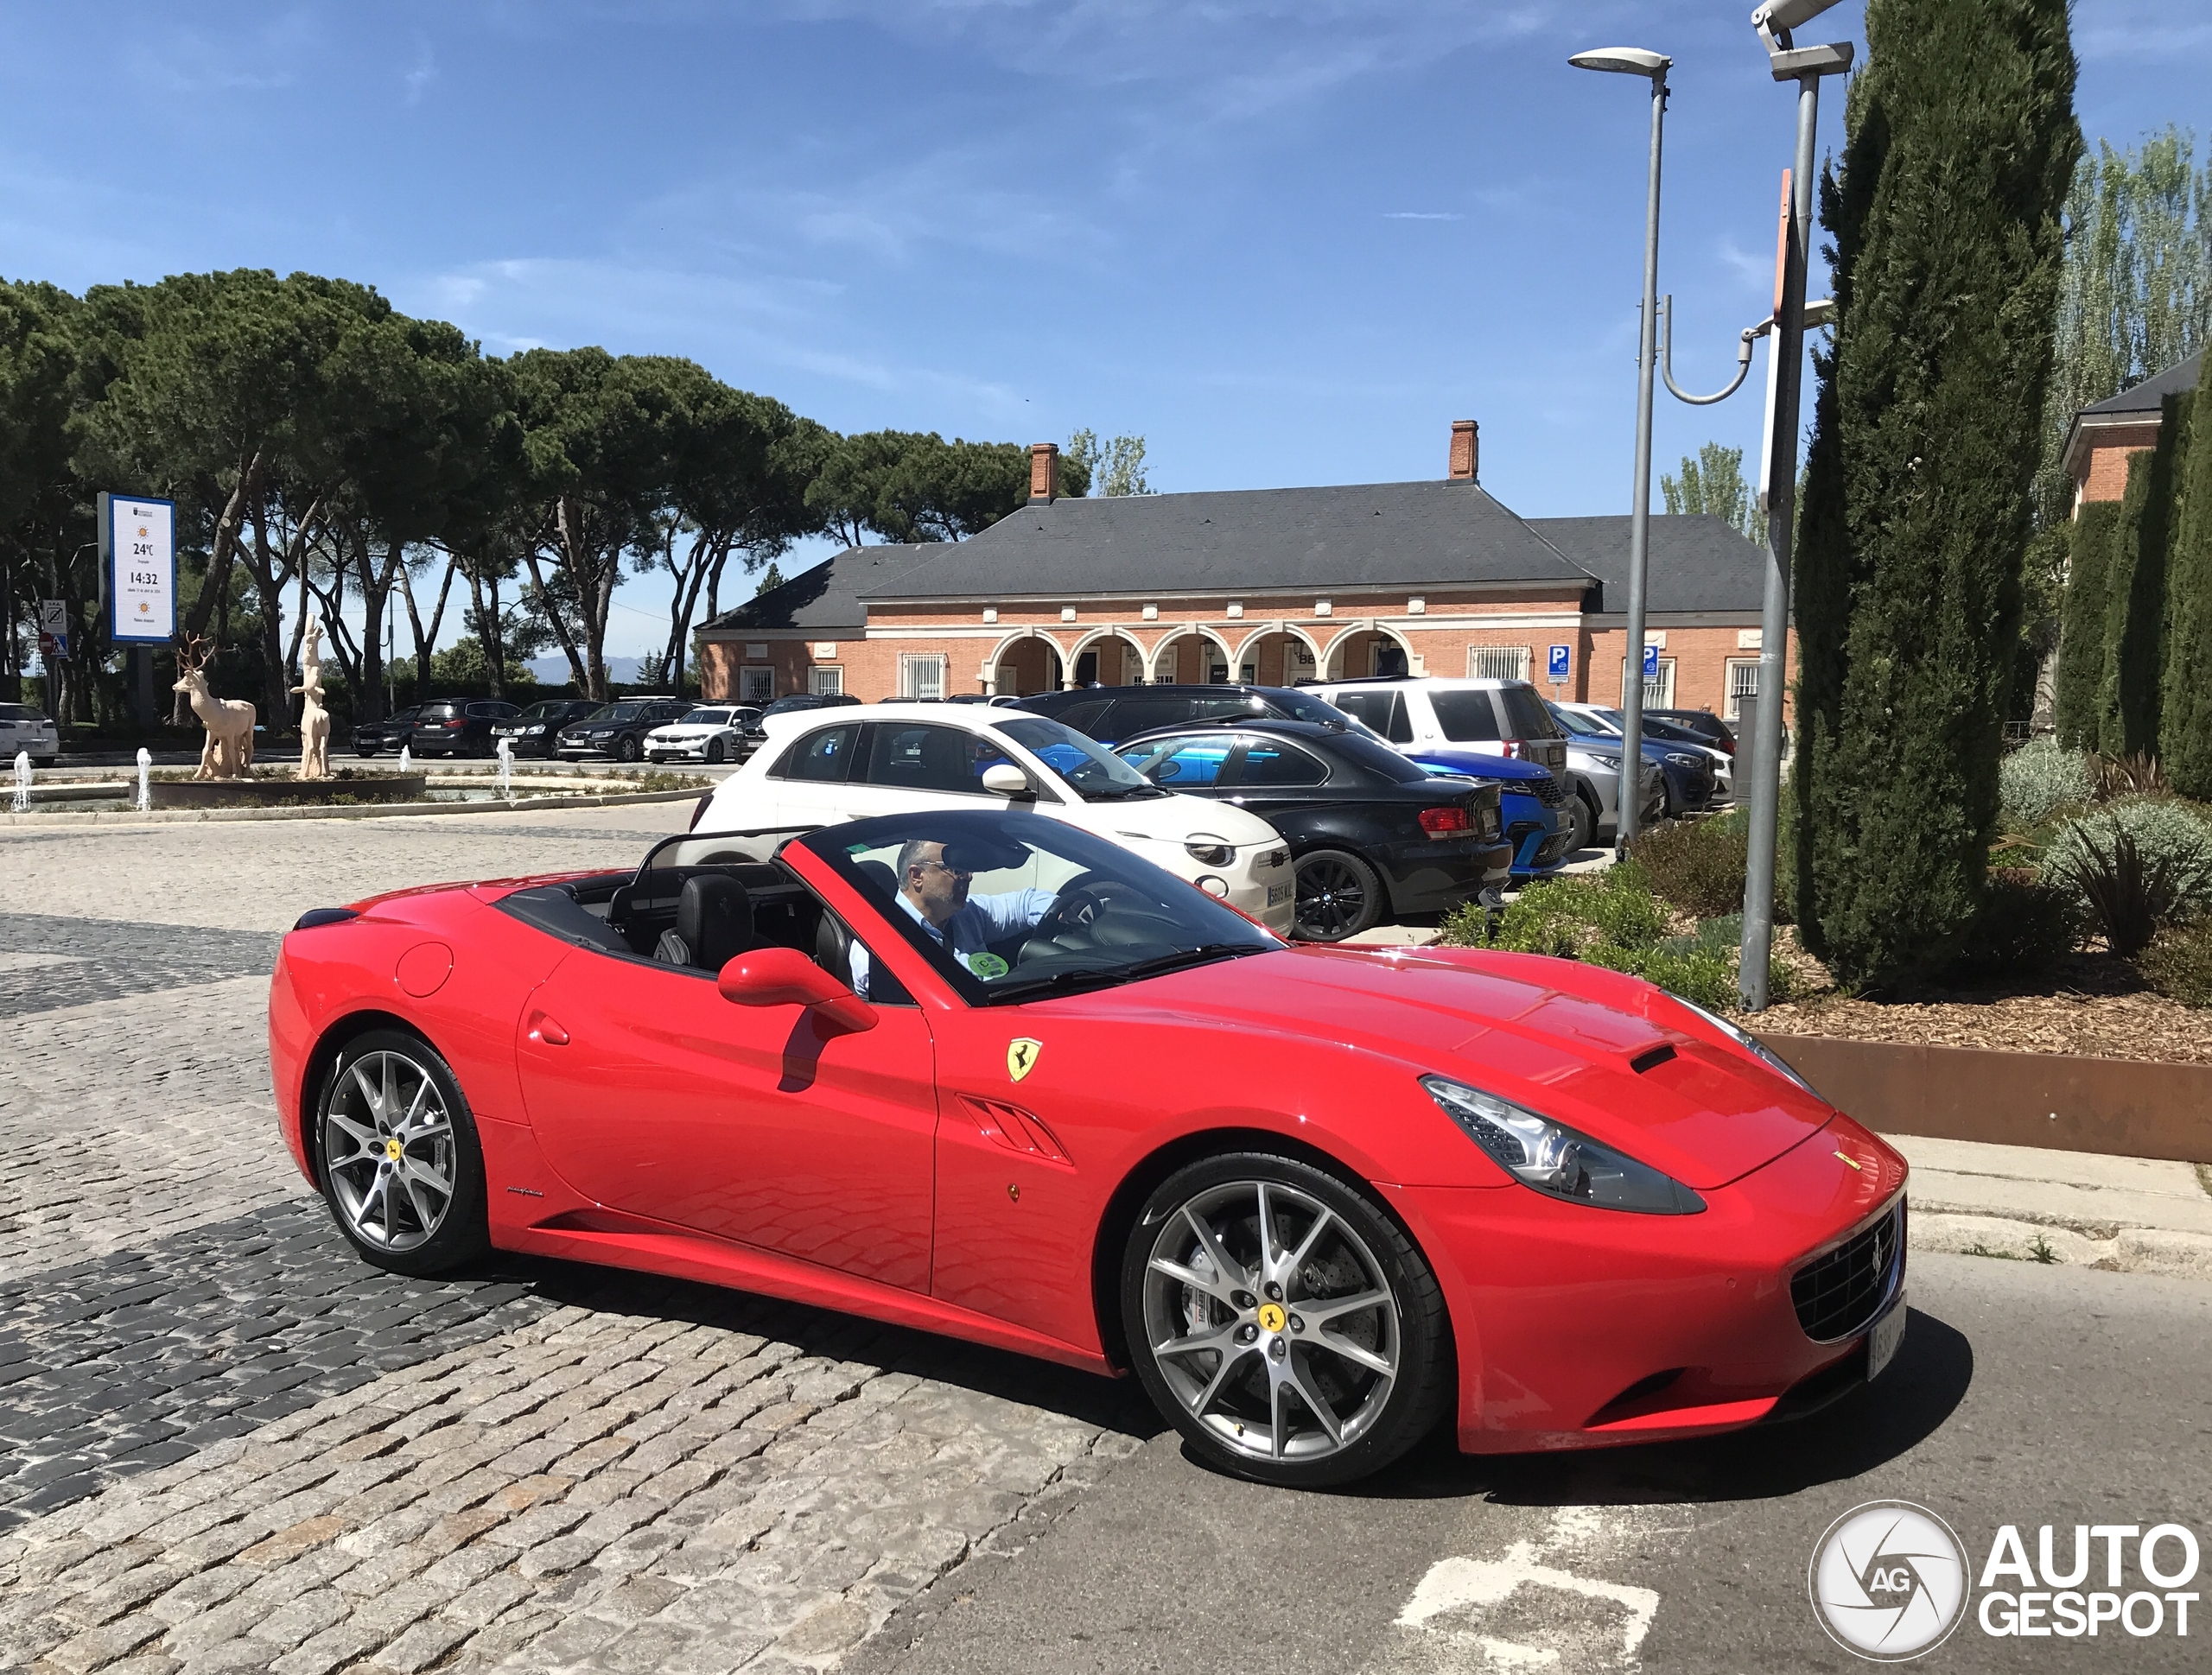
(1278, 894)
(1882, 1341)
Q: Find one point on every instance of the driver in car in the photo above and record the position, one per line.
(935, 894)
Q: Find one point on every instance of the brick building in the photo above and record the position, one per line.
(1268, 585)
(2104, 434)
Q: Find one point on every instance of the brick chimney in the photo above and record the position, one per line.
(1044, 472)
(1466, 451)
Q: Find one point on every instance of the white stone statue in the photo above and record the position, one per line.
(314, 719)
(228, 753)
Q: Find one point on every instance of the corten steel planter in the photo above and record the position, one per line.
(2121, 1107)
(286, 793)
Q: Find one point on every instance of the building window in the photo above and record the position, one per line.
(1659, 694)
(826, 681)
(1497, 663)
(921, 676)
(1743, 687)
(755, 685)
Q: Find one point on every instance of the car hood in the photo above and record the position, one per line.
(1170, 819)
(1571, 1042)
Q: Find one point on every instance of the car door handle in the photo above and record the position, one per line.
(544, 1030)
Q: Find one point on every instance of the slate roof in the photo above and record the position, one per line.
(2150, 395)
(825, 599)
(1697, 562)
(1364, 535)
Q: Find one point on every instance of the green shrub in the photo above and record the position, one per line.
(2178, 963)
(1698, 865)
(2167, 833)
(2025, 926)
(2040, 778)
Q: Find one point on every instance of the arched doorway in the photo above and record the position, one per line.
(1195, 656)
(1279, 656)
(1025, 666)
(1366, 651)
(1106, 658)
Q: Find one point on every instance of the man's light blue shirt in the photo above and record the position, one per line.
(980, 921)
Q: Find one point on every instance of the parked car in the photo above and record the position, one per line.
(1709, 728)
(536, 731)
(619, 729)
(1372, 834)
(708, 733)
(29, 731)
(815, 768)
(1111, 713)
(1491, 717)
(459, 727)
(1318, 1202)
(750, 736)
(392, 733)
(1593, 767)
(1693, 770)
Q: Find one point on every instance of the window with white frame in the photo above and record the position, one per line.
(1743, 687)
(1497, 663)
(1132, 666)
(921, 675)
(755, 685)
(1658, 693)
(827, 681)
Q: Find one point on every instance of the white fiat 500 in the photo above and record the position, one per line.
(820, 766)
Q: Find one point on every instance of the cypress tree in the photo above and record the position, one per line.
(1961, 142)
(2135, 599)
(2185, 728)
(2081, 636)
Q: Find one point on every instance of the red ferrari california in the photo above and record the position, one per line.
(986, 1074)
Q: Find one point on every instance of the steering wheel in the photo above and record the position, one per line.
(1075, 904)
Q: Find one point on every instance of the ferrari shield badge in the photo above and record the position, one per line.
(1021, 1057)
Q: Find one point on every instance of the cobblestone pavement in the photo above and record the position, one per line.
(230, 1445)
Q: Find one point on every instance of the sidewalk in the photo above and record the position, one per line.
(2127, 1215)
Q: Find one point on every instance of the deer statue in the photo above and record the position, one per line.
(314, 719)
(228, 753)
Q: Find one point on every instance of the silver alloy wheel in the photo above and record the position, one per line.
(389, 1150)
(1269, 1318)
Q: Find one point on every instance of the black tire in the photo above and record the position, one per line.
(1381, 1421)
(625, 748)
(44, 761)
(1585, 830)
(343, 1112)
(714, 753)
(365, 750)
(1338, 896)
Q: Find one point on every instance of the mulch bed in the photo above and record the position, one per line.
(2091, 1004)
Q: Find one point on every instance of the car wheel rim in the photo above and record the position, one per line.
(388, 1143)
(1269, 1320)
(1330, 898)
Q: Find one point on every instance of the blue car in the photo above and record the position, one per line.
(1531, 802)
(1689, 772)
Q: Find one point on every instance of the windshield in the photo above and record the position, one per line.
(1093, 773)
(707, 718)
(1303, 706)
(620, 712)
(1013, 906)
(796, 701)
(542, 710)
(19, 713)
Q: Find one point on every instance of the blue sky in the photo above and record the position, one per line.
(1287, 241)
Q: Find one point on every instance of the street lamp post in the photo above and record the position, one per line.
(1637, 61)
(1805, 65)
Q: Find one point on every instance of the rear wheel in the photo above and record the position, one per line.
(1282, 1323)
(1338, 896)
(401, 1168)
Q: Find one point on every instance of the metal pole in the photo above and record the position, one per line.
(1639, 526)
(1789, 348)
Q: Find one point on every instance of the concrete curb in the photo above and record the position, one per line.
(2161, 1251)
(59, 821)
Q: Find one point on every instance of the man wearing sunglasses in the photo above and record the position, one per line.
(935, 891)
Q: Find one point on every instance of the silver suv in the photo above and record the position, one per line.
(1491, 717)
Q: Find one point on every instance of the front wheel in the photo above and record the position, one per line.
(1583, 823)
(401, 1167)
(1283, 1323)
(1338, 896)
(626, 750)
(715, 752)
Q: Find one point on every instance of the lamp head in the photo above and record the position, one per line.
(1776, 18)
(1624, 60)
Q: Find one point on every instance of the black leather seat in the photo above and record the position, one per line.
(713, 924)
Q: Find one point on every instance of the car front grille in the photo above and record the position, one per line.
(1546, 790)
(1839, 1293)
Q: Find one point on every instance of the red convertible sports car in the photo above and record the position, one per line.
(986, 1074)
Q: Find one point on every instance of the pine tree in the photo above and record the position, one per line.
(2185, 728)
(2082, 637)
(2135, 599)
(1961, 145)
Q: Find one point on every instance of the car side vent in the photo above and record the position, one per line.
(1651, 1058)
(315, 916)
(1015, 1129)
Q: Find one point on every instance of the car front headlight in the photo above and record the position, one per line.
(1683, 758)
(1609, 764)
(1751, 1044)
(1208, 850)
(1559, 1161)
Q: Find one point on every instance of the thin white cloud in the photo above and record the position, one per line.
(1422, 215)
(418, 79)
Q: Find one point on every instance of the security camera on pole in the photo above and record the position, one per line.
(1805, 65)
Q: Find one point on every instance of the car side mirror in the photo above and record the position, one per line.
(784, 977)
(1004, 779)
